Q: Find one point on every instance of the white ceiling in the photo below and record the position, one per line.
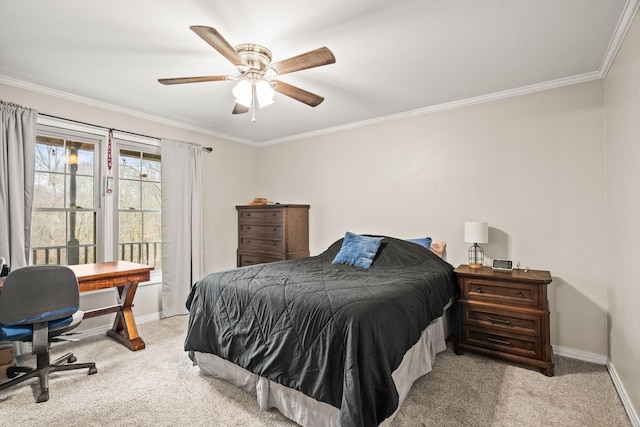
(393, 58)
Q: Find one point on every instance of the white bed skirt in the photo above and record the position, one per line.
(307, 411)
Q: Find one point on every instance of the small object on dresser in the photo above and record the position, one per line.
(259, 201)
(502, 264)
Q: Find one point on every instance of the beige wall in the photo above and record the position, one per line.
(622, 106)
(532, 166)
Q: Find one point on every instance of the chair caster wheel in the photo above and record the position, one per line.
(72, 359)
(44, 396)
(93, 370)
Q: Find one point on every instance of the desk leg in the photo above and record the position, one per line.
(124, 326)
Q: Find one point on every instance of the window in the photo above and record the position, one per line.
(64, 220)
(74, 221)
(139, 214)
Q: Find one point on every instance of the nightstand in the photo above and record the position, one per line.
(505, 314)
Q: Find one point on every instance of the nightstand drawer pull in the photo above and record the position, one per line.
(520, 294)
(497, 341)
(499, 321)
(479, 290)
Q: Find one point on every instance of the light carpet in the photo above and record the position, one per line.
(159, 386)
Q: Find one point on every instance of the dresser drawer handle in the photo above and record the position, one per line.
(497, 341)
(499, 321)
(480, 290)
(248, 228)
(520, 294)
(274, 244)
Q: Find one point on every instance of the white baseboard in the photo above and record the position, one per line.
(633, 415)
(603, 360)
(104, 328)
(585, 356)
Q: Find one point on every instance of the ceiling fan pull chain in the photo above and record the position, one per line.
(253, 100)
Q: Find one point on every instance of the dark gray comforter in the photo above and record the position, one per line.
(333, 332)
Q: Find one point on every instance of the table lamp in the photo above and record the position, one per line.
(476, 232)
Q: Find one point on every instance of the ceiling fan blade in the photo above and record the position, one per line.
(314, 58)
(213, 37)
(179, 80)
(240, 109)
(298, 94)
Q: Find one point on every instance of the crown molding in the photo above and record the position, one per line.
(630, 10)
(554, 84)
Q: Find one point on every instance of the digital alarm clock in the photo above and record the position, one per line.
(502, 264)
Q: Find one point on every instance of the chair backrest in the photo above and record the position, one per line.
(38, 292)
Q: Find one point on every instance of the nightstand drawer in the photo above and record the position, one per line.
(492, 339)
(500, 319)
(509, 293)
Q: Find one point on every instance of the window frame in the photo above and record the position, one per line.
(134, 143)
(106, 205)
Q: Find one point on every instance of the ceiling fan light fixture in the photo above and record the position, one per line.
(243, 92)
(264, 93)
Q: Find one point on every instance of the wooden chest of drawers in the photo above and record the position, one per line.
(505, 314)
(268, 233)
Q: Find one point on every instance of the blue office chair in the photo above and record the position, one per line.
(37, 304)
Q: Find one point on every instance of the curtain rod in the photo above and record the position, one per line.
(207, 149)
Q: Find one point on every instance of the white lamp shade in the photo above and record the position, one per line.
(476, 232)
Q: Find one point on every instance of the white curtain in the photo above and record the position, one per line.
(182, 231)
(17, 165)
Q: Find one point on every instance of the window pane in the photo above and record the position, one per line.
(80, 191)
(129, 194)
(81, 239)
(130, 227)
(48, 190)
(130, 164)
(152, 227)
(151, 197)
(130, 241)
(48, 236)
(50, 154)
(151, 167)
(84, 157)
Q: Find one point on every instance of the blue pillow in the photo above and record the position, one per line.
(426, 242)
(358, 250)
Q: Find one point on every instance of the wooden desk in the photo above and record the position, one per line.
(124, 276)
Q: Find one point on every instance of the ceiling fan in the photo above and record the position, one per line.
(256, 81)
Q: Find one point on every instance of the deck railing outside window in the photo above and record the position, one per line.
(148, 253)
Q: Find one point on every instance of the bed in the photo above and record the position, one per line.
(327, 343)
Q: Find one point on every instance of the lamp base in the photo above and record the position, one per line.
(475, 265)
